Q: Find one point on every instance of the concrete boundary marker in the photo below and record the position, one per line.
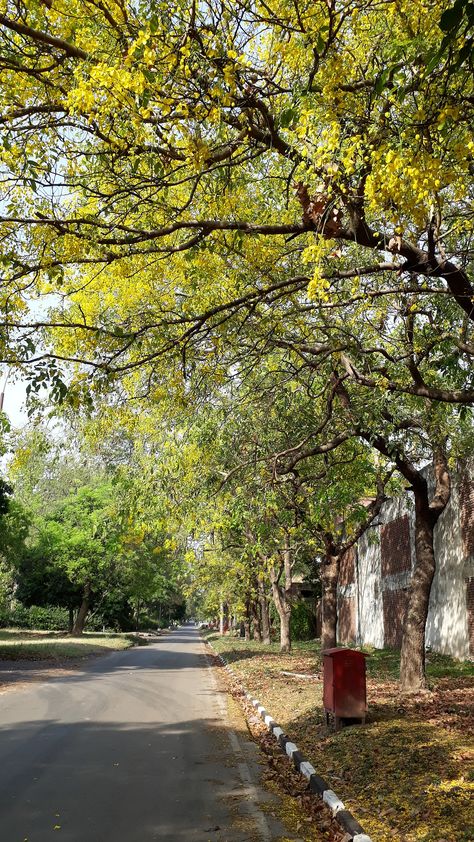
(316, 784)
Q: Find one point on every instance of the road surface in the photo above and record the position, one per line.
(135, 747)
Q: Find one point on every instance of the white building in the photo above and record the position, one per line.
(375, 576)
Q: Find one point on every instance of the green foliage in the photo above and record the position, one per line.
(457, 24)
(302, 622)
(5, 492)
(14, 523)
(275, 297)
(85, 523)
(48, 617)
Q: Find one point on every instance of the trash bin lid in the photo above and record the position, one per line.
(340, 649)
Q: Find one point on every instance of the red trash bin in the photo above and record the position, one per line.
(344, 688)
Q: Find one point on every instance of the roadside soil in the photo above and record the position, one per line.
(408, 775)
(16, 673)
(301, 813)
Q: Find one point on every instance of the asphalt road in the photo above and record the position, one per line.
(135, 747)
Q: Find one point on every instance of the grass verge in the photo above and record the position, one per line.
(408, 774)
(18, 645)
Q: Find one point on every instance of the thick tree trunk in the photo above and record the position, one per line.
(82, 613)
(257, 621)
(264, 613)
(285, 634)
(412, 656)
(427, 513)
(247, 619)
(282, 596)
(329, 580)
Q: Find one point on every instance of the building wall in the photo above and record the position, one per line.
(372, 601)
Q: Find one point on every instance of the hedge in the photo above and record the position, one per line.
(49, 617)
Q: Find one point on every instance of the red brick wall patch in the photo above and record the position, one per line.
(347, 619)
(346, 572)
(470, 613)
(466, 500)
(394, 607)
(395, 546)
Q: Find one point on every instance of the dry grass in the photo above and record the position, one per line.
(18, 645)
(408, 774)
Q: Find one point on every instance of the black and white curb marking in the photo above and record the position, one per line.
(317, 785)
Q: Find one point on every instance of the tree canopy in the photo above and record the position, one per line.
(245, 232)
(164, 165)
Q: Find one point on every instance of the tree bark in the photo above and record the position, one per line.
(82, 613)
(247, 619)
(282, 596)
(329, 580)
(257, 620)
(70, 619)
(264, 612)
(285, 632)
(427, 514)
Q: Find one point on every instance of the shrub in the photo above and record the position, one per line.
(49, 617)
(303, 622)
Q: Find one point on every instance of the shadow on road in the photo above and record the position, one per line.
(160, 654)
(108, 781)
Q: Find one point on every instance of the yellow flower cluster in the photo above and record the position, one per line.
(404, 183)
(315, 253)
(106, 86)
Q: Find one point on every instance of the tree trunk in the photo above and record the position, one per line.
(412, 656)
(137, 615)
(82, 613)
(329, 580)
(264, 613)
(282, 596)
(257, 621)
(427, 514)
(247, 618)
(70, 619)
(264, 605)
(285, 634)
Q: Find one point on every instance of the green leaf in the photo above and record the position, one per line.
(464, 53)
(288, 118)
(451, 18)
(320, 43)
(382, 81)
(433, 59)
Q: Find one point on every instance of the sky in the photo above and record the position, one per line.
(15, 388)
(14, 401)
